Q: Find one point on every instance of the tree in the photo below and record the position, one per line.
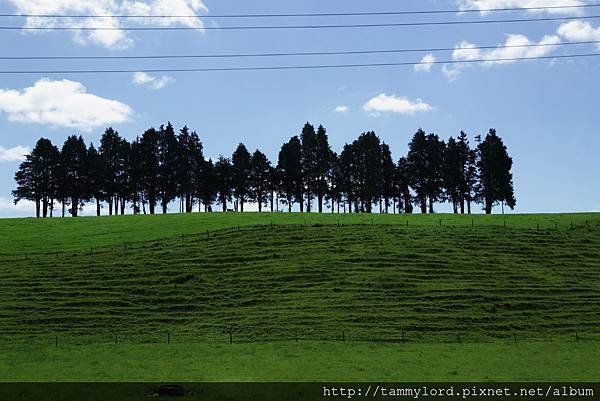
(453, 173)
(37, 177)
(495, 176)
(123, 178)
(150, 167)
(309, 163)
(468, 160)
(75, 167)
(241, 171)
(224, 181)
(259, 179)
(95, 174)
(110, 151)
(168, 150)
(388, 176)
(425, 168)
(367, 170)
(323, 165)
(289, 167)
(206, 185)
(403, 185)
(189, 166)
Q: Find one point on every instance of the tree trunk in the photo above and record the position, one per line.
(37, 208)
(110, 205)
(488, 206)
(462, 206)
(469, 206)
(62, 202)
(320, 200)
(122, 206)
(97, 207)
(74, 207)
(242, 204)
(224, 203)
(423, 202)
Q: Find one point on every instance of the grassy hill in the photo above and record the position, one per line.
(421, 279)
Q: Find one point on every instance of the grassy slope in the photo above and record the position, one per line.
(485, 282)
(26, 235)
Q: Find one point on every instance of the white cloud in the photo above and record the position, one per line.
(578, 31)
(516, 46)
(113, 39)
(493, 4)
(14, 154)
(23, 208)
(152, 82)
(61, 104)
(426, 63)
(394, 104)
(341, 109)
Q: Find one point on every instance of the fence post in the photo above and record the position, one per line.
(343, 336)
(538, 226)
(440, 222)
(230, 335)
(403, 339)
(576, 336)
(168, 337)
(338, 222)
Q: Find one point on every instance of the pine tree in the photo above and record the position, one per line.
(495, 176)
(190, 163)
(75, 166)
(224, 181)
(168, 151)
(207, 192)
(150, 167)
(425, 165)
(309, 163)
(289, 167)
(388, 176)
(37, 177)
(95, 173)
(259, 179)
(324, 160)
(241, 171)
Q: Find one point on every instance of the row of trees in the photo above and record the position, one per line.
(162, 166)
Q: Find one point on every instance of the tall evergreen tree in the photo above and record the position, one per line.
(468, 160)
(241, 171)
(110, 150)
(309, 163)
(403, 184)
(224, 181)
(150, 167)
(259, 179)
(425, 164)
(75, 166)
(289, 167)
(191, 162)
(367, 169)
(38, 177)
(388, 177)
(323, 165)
(496, 179)
(95, 175)
(207, 192)
(453, 173)
(168, 157)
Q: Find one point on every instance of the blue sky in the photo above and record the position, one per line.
(546, 111)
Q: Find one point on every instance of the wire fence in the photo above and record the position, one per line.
(183, 239)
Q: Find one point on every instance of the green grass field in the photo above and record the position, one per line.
(306, 297)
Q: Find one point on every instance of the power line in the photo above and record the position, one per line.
(296, 67)
(333, 14)
(332, 26)
(315, 53)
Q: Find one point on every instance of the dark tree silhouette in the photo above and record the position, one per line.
(150, 168)
(168, 151)
(38, 177)
(289, 169)
(309, 163)
(207, 193)
(224, 181)
(95, 176)
(75, 167)
(425, 163)
(190, 164)
(323, 165)
(495, 176)
(161, 166)
(259, 179)
(241, 171)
